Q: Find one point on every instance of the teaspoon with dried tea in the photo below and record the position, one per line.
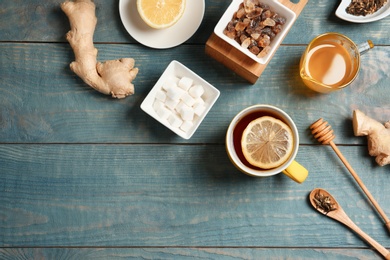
(325, 203)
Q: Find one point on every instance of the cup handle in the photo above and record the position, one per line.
(296, 172)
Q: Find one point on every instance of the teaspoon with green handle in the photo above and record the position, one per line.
(324, 203)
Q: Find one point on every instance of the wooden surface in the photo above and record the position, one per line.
(84, 176)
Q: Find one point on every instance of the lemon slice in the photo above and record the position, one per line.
(267, 142)
(161, 14)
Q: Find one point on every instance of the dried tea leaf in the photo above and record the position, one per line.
(364, 7)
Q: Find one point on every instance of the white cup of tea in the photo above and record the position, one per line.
(234, 133)
(331, 61)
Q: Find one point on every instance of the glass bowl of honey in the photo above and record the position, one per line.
(331, 61)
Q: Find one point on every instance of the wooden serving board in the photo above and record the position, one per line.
(237, 61)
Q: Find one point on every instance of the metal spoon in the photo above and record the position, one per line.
(324, 203)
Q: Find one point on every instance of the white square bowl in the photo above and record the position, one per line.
(276, 7)
(177, 69)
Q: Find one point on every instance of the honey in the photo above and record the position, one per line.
(329, 63)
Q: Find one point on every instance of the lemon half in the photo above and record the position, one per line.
(161, 14)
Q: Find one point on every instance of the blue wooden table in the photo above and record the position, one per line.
(85, 176)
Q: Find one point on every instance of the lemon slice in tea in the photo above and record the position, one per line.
(161, 14)
(267, 142)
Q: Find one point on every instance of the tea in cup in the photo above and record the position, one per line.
(248, 147)
(331, 62)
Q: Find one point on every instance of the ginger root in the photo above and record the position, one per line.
(112, 77)
(378, 136)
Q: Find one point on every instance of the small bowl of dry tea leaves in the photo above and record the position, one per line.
(363, 11)
(255, 27)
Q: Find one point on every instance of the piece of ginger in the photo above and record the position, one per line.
(112, 77)
(378, 136)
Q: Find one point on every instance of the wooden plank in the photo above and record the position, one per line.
(175, 253)
(43, 101)
(177, 195)
(43, 21)
(83, 176)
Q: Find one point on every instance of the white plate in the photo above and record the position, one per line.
(277, 7)
(380, 14)
(162, 38)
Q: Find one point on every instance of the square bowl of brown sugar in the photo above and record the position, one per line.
(255, 27)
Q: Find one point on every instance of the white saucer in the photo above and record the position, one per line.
(162, 38)
(380, 14)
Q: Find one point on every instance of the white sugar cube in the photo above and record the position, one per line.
(185, 83)
(157, 105)
(186, 125)
(169, 83)
(170, 103)
(188, 99)
(199, 108)
(187, 113)
(199, 101)
(175, 120)
(174, 79)
(163, 113)
(161, 95)
(179, 106)
(196, 91)
(175, 93)
(182, 107)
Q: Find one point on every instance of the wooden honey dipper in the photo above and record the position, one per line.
(323, 132)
